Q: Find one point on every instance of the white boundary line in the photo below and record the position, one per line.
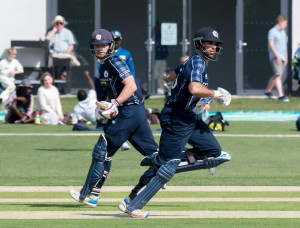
(155, 134)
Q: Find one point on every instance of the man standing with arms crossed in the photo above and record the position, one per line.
(124, 114)
(181, 125)
(277, 45)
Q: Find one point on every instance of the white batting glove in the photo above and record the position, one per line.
(99, 117)
(167, 85)
(200, 106)
(111, 109)
(222, 97)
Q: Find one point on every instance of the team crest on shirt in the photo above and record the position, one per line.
(105, 74)
(123, 57)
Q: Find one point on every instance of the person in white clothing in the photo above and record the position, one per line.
(9, 67)
(49, 103)
(85, 108)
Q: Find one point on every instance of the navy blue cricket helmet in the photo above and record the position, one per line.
(102, 36)
(207, 34)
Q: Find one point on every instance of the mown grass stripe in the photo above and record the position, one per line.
(168, 189)
(155, 134)
(61, 200)
(161, 194)
(153, 214)
(162, 206)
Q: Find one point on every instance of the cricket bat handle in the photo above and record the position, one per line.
(100, 105)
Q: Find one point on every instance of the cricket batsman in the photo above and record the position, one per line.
(181, 124)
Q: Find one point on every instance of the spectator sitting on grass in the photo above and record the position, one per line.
(85, 108)
(20, 104)
(49, 103)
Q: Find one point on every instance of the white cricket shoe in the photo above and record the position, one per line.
(211, 171)
(123, 205)
(225, 156)
(134, 214)
(91, 201)
(125, 146)
(138, 214)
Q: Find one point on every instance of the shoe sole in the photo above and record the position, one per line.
(83, 202)
(140, 217)
(90, 204)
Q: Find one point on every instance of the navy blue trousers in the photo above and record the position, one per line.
(130, 124)
(179, 128)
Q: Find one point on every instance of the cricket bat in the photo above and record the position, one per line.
(100, 105)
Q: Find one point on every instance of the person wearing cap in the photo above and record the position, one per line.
(127, 58)
(121, 52)
(9, 67)
(20, 104)
(181, 125)
(124, 54)
(124, 117)
(61, 44)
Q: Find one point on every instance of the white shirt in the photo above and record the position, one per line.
(85, 110)
(8, 66)
(48, 100)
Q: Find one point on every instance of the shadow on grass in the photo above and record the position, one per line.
(61, 149)
(121, 215)
(54, 205)
(74, 205)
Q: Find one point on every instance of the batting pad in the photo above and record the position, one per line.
(204, 164)
(97, 167)
(163, 175)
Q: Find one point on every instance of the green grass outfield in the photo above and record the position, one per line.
(263, 154)
(236, 104)
(224, 223)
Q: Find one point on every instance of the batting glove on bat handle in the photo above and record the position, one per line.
(99, 117)
(111, 109)
(115, 101)
(222, 97)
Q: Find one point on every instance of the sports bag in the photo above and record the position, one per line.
(216, 122)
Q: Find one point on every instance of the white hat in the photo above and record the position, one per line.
(59, 18)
